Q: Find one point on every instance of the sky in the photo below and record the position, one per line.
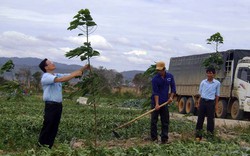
(130, 34)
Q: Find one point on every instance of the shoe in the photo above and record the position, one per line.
(198, 139)
(147, 139)
(164, 142)
(154, 140)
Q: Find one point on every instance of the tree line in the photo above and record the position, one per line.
(29, 82)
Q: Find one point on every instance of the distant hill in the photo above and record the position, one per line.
(129, 75)
(32, 64)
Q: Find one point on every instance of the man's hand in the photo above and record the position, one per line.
(216, 107)
(198, 103)
(77, 73)
(157, 106)
(170, 100)
(86, 67)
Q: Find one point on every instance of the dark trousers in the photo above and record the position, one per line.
(164, 114)
(207, 108)
(52, 116)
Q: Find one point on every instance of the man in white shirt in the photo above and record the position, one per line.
(52, 96)
(209, 91)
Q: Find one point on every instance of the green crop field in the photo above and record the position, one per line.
(21, 122)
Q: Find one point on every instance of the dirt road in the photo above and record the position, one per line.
(218, 122)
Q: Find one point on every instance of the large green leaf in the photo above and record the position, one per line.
(90, 24)
(82, 18)
(96, 53)
(84, 57)
(76, 52)
(77, 16)
(7, 67)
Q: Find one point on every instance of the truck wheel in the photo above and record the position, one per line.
(236, 113)
(190, 106)
(182, 105)
(222, 109)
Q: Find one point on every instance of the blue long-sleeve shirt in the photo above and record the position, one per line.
(161, 87)
(209, 90)
(52, 91)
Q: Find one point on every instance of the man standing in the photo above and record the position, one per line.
(52, 95)
(208, 103)
(160, 85)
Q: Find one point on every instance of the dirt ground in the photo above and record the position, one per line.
(218, 122)
(221, 125)
(132, 142)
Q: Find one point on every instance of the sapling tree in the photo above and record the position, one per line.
(7, 67)
(215, 59)
(141, 82)
(216, 39)
(12, 89)
(89, 85)
(148, 74)
(36, 80)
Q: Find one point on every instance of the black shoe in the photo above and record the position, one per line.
(197, 139)
(164, 142)
(155, 140)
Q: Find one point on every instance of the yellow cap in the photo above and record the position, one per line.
(160, 65)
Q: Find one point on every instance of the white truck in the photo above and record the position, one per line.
(234, 76)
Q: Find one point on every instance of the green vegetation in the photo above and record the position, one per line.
(215, 59)
(21, 122)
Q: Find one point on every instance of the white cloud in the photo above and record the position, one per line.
(160, 48)
(123, 40)
(77, 40)
(196, 48)
(65, 49)
(15, 44)
(32, 16)
(97, 41)
(137, 60)
(103, 59)
(13, 38)
(136, 52)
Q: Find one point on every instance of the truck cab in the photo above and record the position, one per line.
(241, 89)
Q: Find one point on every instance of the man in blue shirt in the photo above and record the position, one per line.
(52, 95)
(208, 103)
(160, 85)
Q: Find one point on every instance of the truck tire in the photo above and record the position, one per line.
(182, 105)
(236, 113)
(222, 109)
(190, 106)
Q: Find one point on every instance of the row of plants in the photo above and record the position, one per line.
(177, 149)
(21, 122)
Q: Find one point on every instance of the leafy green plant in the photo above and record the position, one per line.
(214, 60)
(90, 84)
(148, 74)
(7, 67)
(216, 39)
(10, 89)
(84, 22)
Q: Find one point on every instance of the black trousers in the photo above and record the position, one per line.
(164, 115)
(52, 116)
(207, 108)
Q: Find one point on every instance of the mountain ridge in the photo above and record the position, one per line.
(32, 64)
